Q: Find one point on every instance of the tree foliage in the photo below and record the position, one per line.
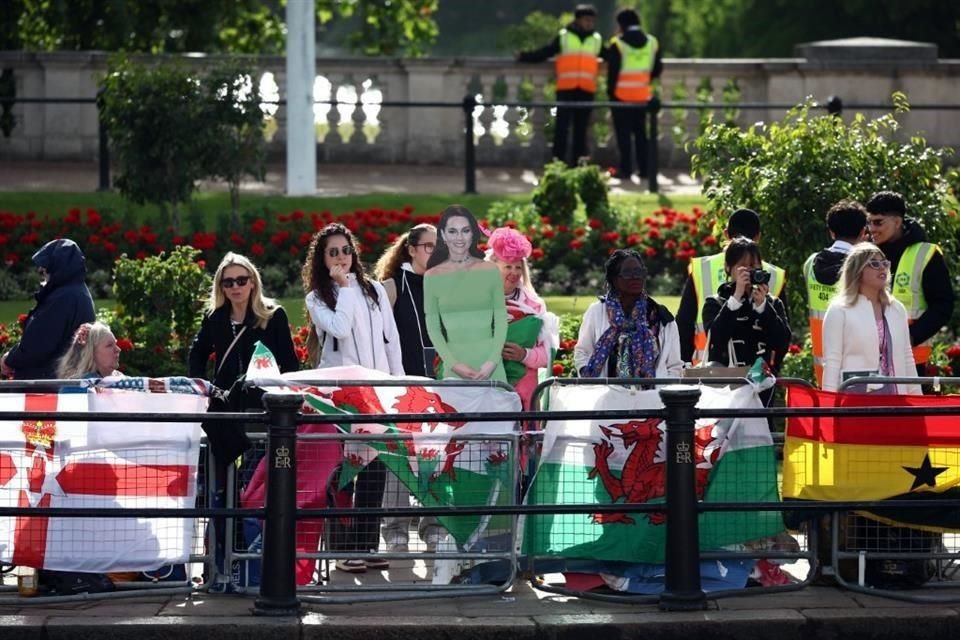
(158, 26)
(791, 172)
(385, 28)
(169, 128)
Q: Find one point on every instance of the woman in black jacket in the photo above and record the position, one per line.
(238, 315)
(743, 321)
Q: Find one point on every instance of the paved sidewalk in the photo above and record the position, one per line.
(522, 614)
(332, 179)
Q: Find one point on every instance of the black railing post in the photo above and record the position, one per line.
(682, 590)
(835, 106)
(103, 148)
(278, 586)
(653, 153)
(470, 150)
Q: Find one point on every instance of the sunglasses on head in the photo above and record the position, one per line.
(334, 252)
(241, 281)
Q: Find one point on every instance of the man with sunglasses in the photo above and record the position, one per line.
(847, 223)
(920, 279)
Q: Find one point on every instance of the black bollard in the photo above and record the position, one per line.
(653, 153)
(682, 590)
(470, 149)
(103, 146)
(278, 585)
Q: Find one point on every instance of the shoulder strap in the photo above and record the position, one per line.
(230, 348)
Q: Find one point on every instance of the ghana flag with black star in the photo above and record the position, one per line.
(871, 458)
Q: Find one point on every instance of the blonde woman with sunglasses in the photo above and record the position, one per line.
(237, 316)
(865, 328)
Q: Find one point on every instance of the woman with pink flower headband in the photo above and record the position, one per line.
(532, 331)
(94, 353)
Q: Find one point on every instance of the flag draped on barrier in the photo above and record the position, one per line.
(110, 465)
(851, 458)
(435, 463)
(623, 461)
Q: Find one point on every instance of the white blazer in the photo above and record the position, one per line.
(596, 322)
(356, 331)
(851, 343)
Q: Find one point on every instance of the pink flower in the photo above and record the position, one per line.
(509, 245)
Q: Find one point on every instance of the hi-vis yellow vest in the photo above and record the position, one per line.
(634, 83)
(818, 299)
(708, 274)
(907, 287)
(577, 65)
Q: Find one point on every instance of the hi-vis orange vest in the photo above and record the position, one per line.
(633, 82)
(708, 273)
(577, 64)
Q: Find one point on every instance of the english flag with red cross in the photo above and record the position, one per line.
(88, 464)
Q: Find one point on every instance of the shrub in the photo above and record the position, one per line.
(159, 307)
(791, 172)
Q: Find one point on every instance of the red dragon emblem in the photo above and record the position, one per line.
(261, 362)
(642, 478)
(419, 400)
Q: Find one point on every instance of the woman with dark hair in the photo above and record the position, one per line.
(743, 321)
(627, 334)
(463, 301)
(353, 325)
(349, 311)
(400, 269)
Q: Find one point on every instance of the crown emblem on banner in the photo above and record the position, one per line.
(39, 433)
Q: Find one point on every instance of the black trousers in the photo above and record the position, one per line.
(576, 117)
(361, 533)
(631, 132)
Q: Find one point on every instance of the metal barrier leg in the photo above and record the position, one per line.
(278, 587)
(682, 590)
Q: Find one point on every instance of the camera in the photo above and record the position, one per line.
(759, 276)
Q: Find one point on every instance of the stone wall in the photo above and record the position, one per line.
(510, 136)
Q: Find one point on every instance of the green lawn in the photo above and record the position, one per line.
(210, 205)
(10, 309)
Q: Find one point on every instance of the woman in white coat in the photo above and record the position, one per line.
(865, 328)
(353, 322)
(626, 334)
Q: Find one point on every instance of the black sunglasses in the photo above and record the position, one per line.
(241, 281)
(334, 252)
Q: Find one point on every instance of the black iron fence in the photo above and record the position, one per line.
(278, 592)
(833, 105)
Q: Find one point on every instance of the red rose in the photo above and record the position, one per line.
(579, 232)
(670, 244)
(93, 218)
(709, 241)
(562, 228)
(548, 232)
(124, 344)
(256, 249)
(954, 352)
(795, 349)
(557, 369)
(537, 253)
(653, 234)
(576, 243)
(594, 223)
(130, 236)
(651, 252)
(158, 350)
(202, 264)
(22, 319)
(258, 226)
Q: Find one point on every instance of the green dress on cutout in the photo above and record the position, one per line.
(466, 318)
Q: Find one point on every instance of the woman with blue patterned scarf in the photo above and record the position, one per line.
(626, 334)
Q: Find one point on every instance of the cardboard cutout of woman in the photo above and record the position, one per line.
(463, 301)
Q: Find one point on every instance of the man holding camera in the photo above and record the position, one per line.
(743, 321)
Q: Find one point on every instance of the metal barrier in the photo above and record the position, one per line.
(501, 494)
(860, 542)
(681, 537)
(202, 553)
(278, 592)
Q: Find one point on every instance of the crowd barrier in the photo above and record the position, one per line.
(289, 445)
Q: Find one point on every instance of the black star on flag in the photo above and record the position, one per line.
(925, 474)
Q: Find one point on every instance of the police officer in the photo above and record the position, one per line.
(633, 63)
(576, 51)
(705, 275)
(920, 277)
(847, 223)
